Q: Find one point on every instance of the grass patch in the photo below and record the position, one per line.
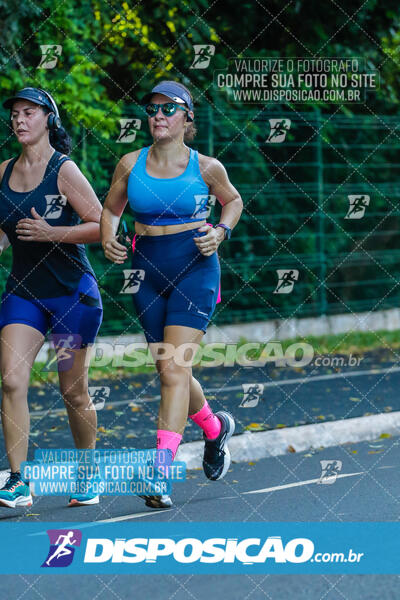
(355, 343)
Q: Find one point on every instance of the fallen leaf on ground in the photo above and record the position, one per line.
(254, 427)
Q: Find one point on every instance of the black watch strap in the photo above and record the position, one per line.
(227, 229)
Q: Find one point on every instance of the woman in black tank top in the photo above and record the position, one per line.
(52, 286)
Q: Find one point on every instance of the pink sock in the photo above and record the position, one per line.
(167, 440)
(209, 422)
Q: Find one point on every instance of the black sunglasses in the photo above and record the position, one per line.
(168, 109)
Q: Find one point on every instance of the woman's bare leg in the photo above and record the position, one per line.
(74, 390)
(19, 346)
(179, 390)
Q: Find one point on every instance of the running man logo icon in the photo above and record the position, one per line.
(62, 547)
(129, 128)
(251, 394)
(98, 396)
(202, 55)
(50, 56)
(61, 355)
(204, 204)
(133, 279)
(330, 470)
(357, 206)
(286, 280)
(54, 206)
(279, 129)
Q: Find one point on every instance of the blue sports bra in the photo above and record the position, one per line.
(158, 201)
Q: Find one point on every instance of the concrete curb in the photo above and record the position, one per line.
(253, 446)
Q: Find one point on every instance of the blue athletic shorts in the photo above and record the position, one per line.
(176, 284)
(78, 315)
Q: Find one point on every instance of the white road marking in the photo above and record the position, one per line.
(298, 483)
(77, 524)
(134, 516)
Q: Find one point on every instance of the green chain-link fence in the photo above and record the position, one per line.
(296, 198)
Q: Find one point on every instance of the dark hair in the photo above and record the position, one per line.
(58, 138)
(191, 129)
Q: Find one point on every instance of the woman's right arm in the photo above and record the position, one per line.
(4, 241)
(113, 208)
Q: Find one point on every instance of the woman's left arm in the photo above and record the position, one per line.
(81, 196)
(216, 177)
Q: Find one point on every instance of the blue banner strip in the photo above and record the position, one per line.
(182, 547)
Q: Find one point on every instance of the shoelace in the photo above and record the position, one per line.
(217, 448)
(12, 480)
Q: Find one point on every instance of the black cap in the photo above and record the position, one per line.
(172, 90)
(32, 94)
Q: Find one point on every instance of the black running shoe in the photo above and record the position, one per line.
(217, 457)
(163, 501)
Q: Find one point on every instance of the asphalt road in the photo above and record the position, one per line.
(282, 488)
(291, 397)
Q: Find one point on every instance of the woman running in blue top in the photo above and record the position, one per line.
(52, 286)
(175, 262)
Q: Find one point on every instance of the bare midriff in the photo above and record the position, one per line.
(142, 229)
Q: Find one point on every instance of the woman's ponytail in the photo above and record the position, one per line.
(59, 138)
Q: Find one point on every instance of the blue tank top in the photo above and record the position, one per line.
(41, 269)
(158, 201)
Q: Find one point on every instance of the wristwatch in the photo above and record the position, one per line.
(228, 230)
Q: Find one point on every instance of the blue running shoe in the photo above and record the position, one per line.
(15, 492)
(217, 458)
(83, 499)
(84, 493)
(84, 496)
